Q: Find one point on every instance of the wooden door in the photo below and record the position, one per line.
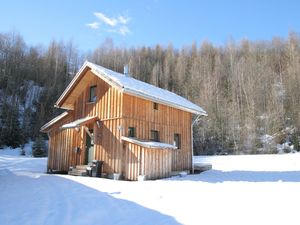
(89, 147)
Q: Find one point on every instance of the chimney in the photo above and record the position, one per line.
(126, 70)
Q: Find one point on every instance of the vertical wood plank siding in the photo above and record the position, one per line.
(139, 113)
(153, 163)
(118, 111)
(61, 154)
(108, 146)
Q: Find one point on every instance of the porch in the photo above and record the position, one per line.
(93, 169)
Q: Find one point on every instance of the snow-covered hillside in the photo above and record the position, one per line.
(262, 189)
(32, 95)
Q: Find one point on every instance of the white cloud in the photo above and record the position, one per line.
(124, 30)
(117, 24)
(123, 20)
(93, 26)
(109, 21)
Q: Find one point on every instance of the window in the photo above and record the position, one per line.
(93, 95)
(154, 135)
(177, 140)
(155, 105)
(131, 131)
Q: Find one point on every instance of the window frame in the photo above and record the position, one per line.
(155, 105)
(154, 135)
(93, 98)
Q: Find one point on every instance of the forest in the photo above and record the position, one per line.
(250, 89)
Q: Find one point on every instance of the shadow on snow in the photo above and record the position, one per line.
(49, 199)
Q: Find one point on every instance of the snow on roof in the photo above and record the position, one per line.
(144, 90)
(79, 122)
(54, 120)
(148, 144)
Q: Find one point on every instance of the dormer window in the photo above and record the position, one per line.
(93, 96)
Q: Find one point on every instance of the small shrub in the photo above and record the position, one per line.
(255, 151)
(281, 138)
(287, 149)
(271, 149)
(258, 144)
(295, 142)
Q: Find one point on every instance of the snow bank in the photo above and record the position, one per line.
(267, 139)
(8, 151)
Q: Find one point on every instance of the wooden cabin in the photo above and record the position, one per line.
(135, 128)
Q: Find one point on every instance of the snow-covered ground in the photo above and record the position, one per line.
(261, 189)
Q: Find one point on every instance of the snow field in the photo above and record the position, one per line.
(260, 189)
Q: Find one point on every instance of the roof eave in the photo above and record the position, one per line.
(147, 144)
(46, 127)
(64, 95)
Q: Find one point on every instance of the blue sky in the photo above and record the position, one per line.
(137, 23)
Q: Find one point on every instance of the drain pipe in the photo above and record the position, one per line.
(192, 143)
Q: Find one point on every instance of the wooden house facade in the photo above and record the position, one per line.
(133, 127)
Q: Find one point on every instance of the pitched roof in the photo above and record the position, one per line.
(79, 122)
(134, 87)
(46, 126)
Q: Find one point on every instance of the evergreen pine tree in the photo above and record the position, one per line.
(39, 147)
(11, 133)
